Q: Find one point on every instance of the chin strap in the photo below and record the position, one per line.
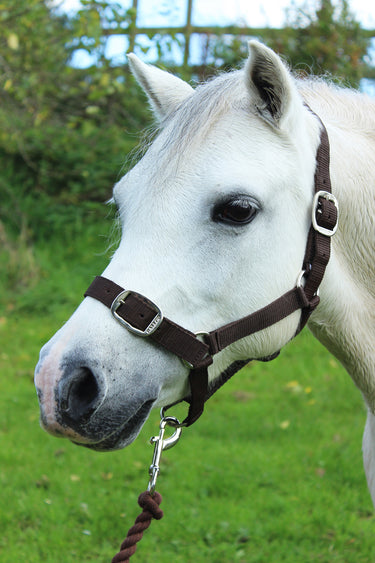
(142, 317)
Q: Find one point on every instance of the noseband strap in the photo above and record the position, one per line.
(142, 317)
(138, 313)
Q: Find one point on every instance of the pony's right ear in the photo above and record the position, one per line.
(164, 90)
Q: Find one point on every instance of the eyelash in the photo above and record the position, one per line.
(235, 211)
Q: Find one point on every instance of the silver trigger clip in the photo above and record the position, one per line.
(161, 444)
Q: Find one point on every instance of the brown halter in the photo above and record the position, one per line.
(142, 317)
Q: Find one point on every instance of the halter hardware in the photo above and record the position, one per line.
(150, 328)
(317, 212)
(160, 444)
(143, 318)
(203, 334)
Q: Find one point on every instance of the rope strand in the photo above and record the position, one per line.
(150, 509)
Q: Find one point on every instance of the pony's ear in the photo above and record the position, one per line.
(270, 83)
(164, 90)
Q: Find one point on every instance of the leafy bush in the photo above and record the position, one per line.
(64, 132)
(319, 37)
(18, 265)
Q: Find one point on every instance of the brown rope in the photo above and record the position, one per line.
(150, 506)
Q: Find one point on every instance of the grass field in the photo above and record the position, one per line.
(271, 473)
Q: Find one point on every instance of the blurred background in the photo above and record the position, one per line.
(283, 479)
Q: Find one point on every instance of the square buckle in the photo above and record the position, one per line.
(150, 329)
(315, 210)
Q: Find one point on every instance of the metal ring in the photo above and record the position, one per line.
(196, 334)
(300, 278)
(202, 333)
(171, 420)
(299, 281)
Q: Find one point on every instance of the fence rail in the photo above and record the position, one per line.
(188, 30)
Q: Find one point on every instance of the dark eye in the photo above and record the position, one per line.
(236, 211)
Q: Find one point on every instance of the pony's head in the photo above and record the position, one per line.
(214, 220)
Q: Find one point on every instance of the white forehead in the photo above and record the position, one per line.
(214, 142)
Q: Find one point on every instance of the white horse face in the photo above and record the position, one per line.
(215, 220)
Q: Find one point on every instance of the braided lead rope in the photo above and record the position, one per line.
(150, 505)
(150, 500)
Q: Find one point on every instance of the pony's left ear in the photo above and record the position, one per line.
(270, 84)
(165, 91)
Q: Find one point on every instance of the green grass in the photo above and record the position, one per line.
(272, 472)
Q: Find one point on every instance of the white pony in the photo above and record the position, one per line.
(215, 219)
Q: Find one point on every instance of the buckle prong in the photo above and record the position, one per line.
(150, 329)
(315, 210)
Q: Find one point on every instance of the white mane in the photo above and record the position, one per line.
(345, 107)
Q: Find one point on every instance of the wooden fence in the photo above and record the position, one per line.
(188, 30)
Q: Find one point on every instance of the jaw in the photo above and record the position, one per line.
(116, 439)
(125, 434)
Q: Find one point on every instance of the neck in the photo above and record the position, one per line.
(345, 320)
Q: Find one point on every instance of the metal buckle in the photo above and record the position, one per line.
(315, 210)
(154, 324)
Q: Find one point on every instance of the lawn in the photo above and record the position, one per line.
(272, 472)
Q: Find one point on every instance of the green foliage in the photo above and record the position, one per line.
(75, 243)
(325, 40)
(64, 132)
(319, 38)
(19, 268)
(92, 20)
(229, 52)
